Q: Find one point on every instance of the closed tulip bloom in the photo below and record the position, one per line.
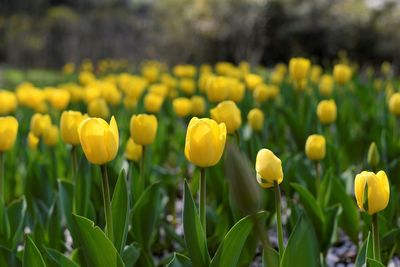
(8, 102)
(394, 104)
(378, 191)
(8, 132)
(268, 168)
(298, 68)
(228, 113)
(143, 128)
(39, 124)
(99, 140)
(153, 102)
(326, 85)
(33, 141)
(315, 147)
(205, 142)
(69, 124)
(188, 86)
(99, 108)
(58, 98)
(50, 137)
(327, 111)
(236, 91)
(341, 73)
(253, 80)
(198, 105)
(133, 151)
(256, 119)
(182, 106)
(217, 89)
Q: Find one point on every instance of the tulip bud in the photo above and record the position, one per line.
(99, 108)
(143, 128)
(33, 141)
(372, 191)
(8, 132)
(373, 155)
(256, 119)
(341, 73)
(326, 111)
(133, 151)
(394, 104)
(198, 105)
(182, 106)
(217, 89)
(99, 140)
(205, 142)
(315, 147)
(69, 124)
(228, 113)
(153, 102)
(50, 137)
(39, 124)
(298, 68)
(326, 85)
(268, 168)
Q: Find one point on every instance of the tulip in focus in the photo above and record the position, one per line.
(327, 111)
(99, 140)
(256, 119)
(228, 113)
(205, 142)
(316, 147)
(268, 168)
(8, 132)
(143, 128)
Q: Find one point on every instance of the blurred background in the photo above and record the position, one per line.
(49, 33)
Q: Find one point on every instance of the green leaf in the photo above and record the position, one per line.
(302, 247)
(59, 258)
(270, 257)
(179, 260)
(16, 216)
(97, 249)
(374, 263)
(8, 258)
(229, 250)
(145, 215)
(332, 215)
(32, 255)
(195, 239)
(4, 224)
(120, 212)
(326, 189)
(131, 254)
(361, 259)
(65, 189)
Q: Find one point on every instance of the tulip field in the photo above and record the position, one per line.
(112, 163)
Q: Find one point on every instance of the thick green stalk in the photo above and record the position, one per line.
(279, 218)
(107, 202)
(317, 178)
(141, 183)
(2, 177)
(375, 235)
(203, 199)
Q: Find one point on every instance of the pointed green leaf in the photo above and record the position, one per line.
(270, 257)
(60, 259)
(374, 263)
(96, 248)
(8, 258)
(179, 260)
(16, 216)
(195, 239)
(361, 259)
(32, 255)
(131, 254)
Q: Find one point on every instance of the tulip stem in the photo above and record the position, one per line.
(279, 218)
(317, 178)
(107, 203)
(203, 199)
(2, 177)
(74, 177)
(375, 232)
(141, 184)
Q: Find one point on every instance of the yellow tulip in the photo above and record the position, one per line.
(33, 141)
(205, 142)
(58, 98)
(327, 111)
(99, 140)
(268, 168)
(40, 124)
(236, 90)
(133, 151)
(378, 191)
(253, 80)
(260, 93)
(228, 113)
(50, 137)
(315, 147)
(153, 102)
(143, 128)
(326, 85)
(256, 119)
(298, 68)
(315, 73)
(188, 86)
(8, 102)
(98, 108)
(342, 73)
(8, 132)
(217, 89)
(198, 105)
(69, 124)
(394, 104)
(182, 106)
(159, 89)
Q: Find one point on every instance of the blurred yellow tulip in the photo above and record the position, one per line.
(8, 132)
(253, 80)
(98, 108)
(217, 89)
(326, 85)
(188, 86)
(256, 119)
(153, 102)
(50, 137)
(143, 128)
(342, 73)
(8, 102)
(133, 151)
(394, 104)
(228, 113)
(327, 111)
(316, 147)
(40, 124)
(70, 121)
(33, 141)
(198, 105)
(299, 68)
(182, 106)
